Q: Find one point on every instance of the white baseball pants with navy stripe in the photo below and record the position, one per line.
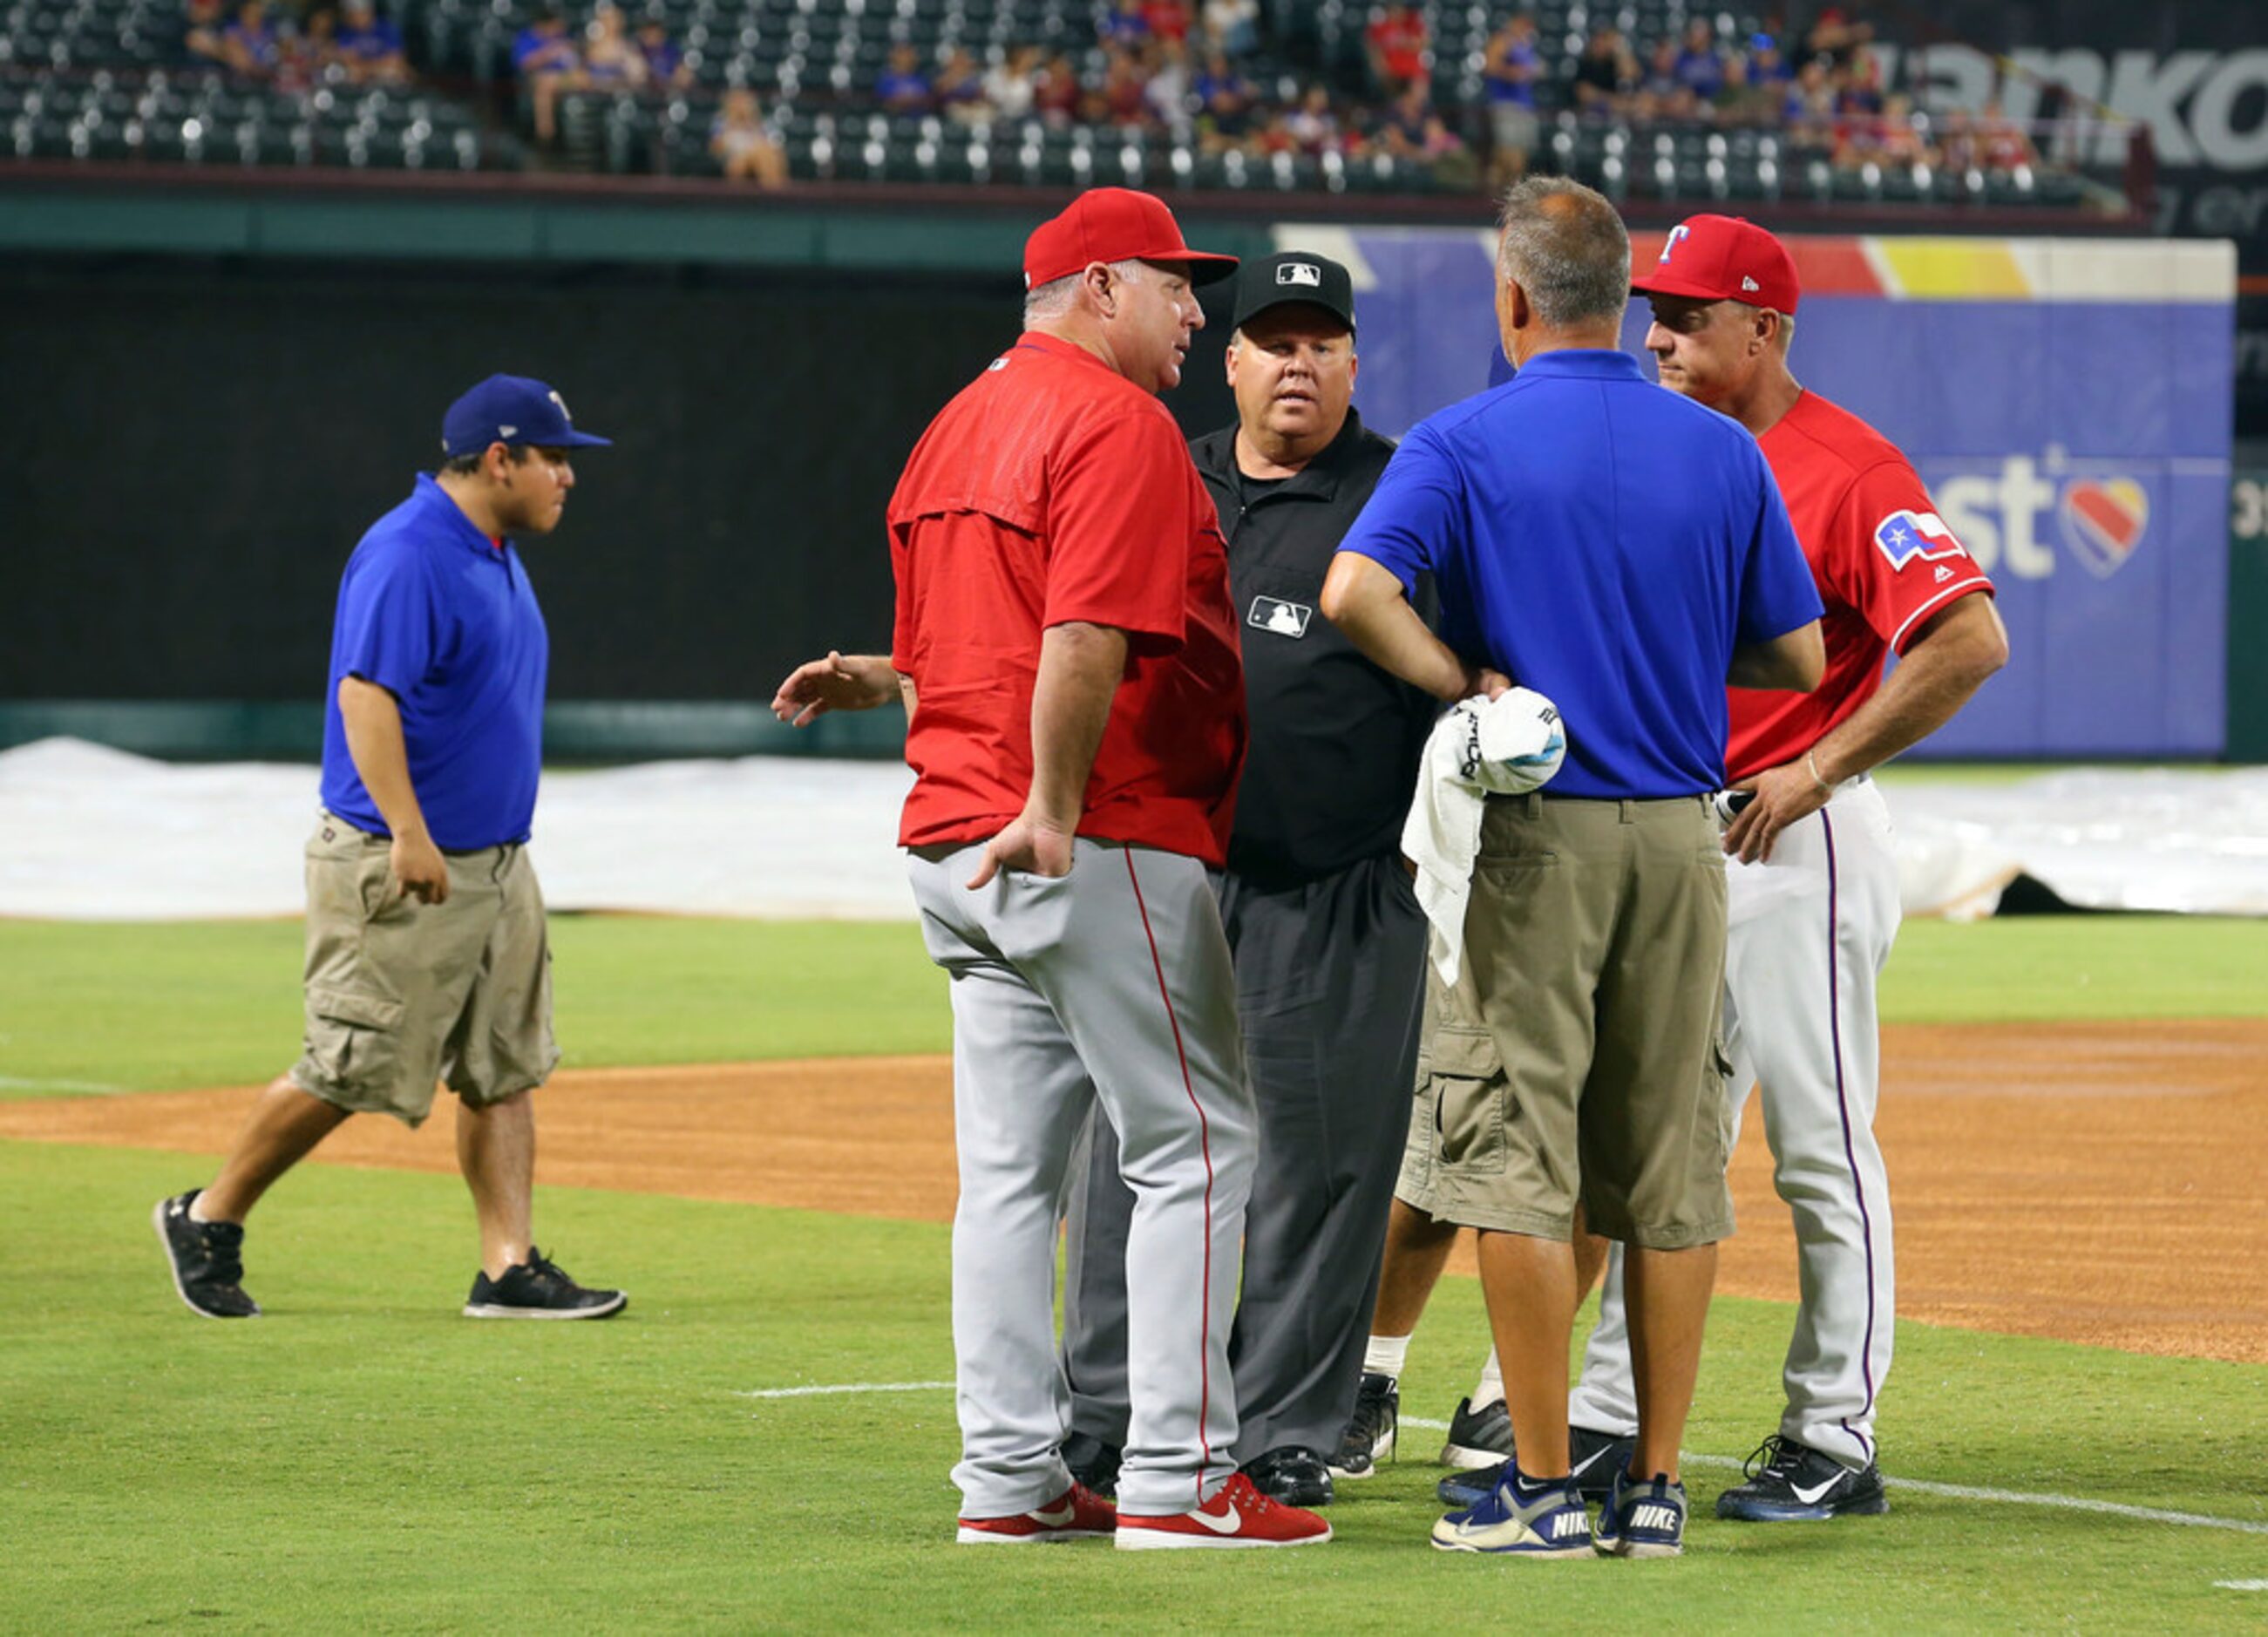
(1810, 930)
(1111, 984)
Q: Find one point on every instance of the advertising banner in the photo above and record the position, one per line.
(2066, 401)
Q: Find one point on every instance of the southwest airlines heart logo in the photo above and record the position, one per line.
(2103, 520)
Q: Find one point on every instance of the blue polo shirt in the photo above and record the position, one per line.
(435, 613)
(1606, 543)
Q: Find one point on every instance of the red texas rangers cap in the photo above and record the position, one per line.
(1114, 225)
(1724, 258)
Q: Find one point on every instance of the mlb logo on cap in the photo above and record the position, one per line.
(1299, 273)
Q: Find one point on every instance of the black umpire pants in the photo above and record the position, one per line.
(1330, 981)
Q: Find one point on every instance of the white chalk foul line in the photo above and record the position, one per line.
(9, 1082)
(2011, 1497)
(2241, 1585)
(825, 1392)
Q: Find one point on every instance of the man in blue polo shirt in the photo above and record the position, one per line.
(1626, 553)
(426, 955)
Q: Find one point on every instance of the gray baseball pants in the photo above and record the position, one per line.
(1109, 986)
(1330, 984)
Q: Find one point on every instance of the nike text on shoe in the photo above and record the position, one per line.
(1078, 1514)
(1793, 1483)
(1369, 1435)
(1522, 1520)
(206, 1259)
(1292, 1476)
(1643, 1519)
(1478, 1438)
(539, 1289)
(1237, 1516)
(1093, 1462)
(1597, 1457)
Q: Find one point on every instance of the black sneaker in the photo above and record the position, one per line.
(1292, 1475)
(1369, 1435)
(1595, 1457)
(1093, 1463)
(1478, 1437)
(1791, 1483)
(539, 1289)
(206, 1259)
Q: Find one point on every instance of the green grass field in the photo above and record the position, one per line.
(364, 1458)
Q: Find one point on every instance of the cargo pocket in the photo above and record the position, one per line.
(353, 1038)
(1468, 1086)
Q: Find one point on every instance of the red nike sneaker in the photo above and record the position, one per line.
(1078, 1514)
(1238, 1515)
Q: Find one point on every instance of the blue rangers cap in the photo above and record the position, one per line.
(513, 410)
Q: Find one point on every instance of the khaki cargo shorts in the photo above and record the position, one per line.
(401, 993)
(1579, 1056)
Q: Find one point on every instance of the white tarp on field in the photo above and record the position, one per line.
(92, 834)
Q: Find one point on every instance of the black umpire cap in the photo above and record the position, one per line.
(1276, 281)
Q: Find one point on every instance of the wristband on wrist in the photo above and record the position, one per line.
(1811, 761)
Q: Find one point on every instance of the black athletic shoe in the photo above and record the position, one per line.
(539, 1289)
(1093, 1464)
(1596, 1457)
(1793, 1483)
(1478, 1437)
(1369, 1435)
(1292, 1475)
(206, 1260)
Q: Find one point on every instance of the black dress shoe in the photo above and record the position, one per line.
(1296, 1476)
(1093, 1462)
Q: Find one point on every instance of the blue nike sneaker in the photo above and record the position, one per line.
(1598, 1456)
(1643, 1518)
(1523, 1520)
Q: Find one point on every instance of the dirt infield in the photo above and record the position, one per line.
(2093, 1181)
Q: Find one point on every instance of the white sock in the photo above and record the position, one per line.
(1490, 1389)
(1385, 1356)
(197, 1208)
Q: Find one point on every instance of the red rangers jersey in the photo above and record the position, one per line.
(1884, 561)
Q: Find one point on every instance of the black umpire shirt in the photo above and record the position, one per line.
(1336, 741)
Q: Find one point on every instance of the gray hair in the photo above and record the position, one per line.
(1044, 303)
(1564, 244)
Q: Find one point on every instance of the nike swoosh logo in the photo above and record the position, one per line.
(1057, 1517)
(1232, 1524)
(1591, 1460)
(1811, 1497)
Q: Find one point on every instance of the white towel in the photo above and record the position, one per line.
(1507, 746)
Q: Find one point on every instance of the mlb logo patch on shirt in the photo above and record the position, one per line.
(1910, 536)
(1285, 619)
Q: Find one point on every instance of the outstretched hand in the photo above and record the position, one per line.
(840, 682)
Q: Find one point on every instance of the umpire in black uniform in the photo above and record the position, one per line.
(1329, 943)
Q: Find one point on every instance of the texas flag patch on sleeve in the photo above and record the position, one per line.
(1915, 536)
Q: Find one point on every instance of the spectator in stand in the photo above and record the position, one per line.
(1312, 126)
(1768, 66)
(744, 145)
(961, 88)
(1057, 93)
(666, 66)
(2001, 143)
(1836, 38)
(1510, 68)
(1225, 104)
(1233, 26)
(1859, 83)
(903, 89)
(1167, 91)
(547, 64)
(1124, 98)
(1011, 85)
(1398, 41)
(200, 32)
(1606, 75)
(611, 59)
(308, 54)
(1957, 148)
(1700, 66)
(1126, 23)
(368, 45)
(1808, 111)
(1743, 101)
(1661, 95)
(1166, 19)
(250, 45)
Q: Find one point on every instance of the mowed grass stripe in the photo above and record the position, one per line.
(169, 1006)
(364, 1457)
